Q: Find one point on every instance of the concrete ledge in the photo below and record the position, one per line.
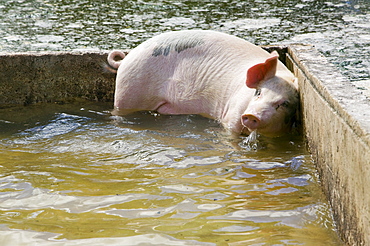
(27, 78)
(336, 121)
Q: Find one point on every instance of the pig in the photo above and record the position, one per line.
(209, 73)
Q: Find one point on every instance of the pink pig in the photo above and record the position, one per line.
(208, 73)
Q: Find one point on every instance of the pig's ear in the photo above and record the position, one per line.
(262, 71)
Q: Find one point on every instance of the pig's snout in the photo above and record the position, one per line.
(250, 121)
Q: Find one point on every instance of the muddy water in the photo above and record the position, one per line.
(75, 175)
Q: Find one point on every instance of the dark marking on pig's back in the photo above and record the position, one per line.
(177, 43)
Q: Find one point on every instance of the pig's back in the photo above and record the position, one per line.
(193, 44)
(192, 56)
(193, 71)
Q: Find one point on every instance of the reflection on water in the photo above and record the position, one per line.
(75, 175)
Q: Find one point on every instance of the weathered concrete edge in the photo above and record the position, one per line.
(32, 77)
(340, 94)
(336, 121)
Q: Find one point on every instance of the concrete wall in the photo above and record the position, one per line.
(336, 121)
(27, 78)
(336, 117)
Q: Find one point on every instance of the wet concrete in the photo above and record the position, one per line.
(27, 78)
(335, 116)
(336, 119)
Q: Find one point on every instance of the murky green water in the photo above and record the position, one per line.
(75, 175)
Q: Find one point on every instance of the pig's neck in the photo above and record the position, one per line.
(235, 100)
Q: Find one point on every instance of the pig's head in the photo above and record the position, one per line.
(273, 107)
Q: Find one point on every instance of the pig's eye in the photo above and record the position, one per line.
(285, 104)
(257, 93)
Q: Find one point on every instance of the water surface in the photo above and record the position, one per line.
(73, 174)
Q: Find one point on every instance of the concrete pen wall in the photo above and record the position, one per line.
(336, 121)
(27, 78)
